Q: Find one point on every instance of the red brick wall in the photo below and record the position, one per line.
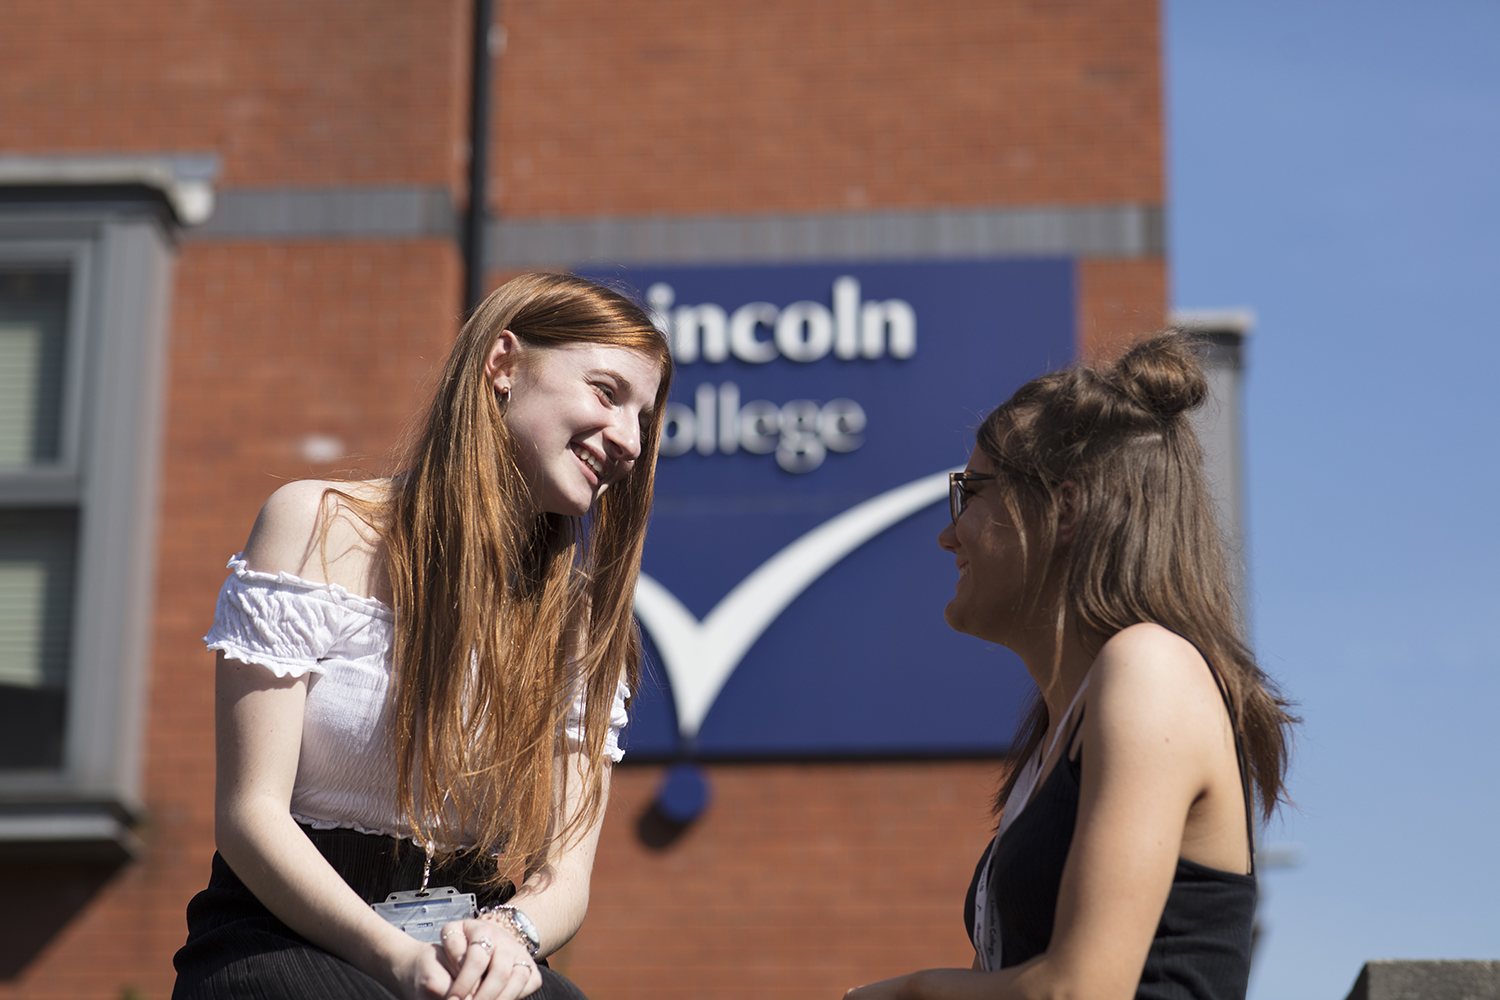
(777, 105)
(286, 91)
(630, 108)
(800, 881)
(1118, 300)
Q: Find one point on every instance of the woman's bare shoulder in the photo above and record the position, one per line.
(311, 529)
(1149, 640)
(1157, 679)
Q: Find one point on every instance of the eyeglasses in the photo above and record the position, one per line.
(958, 490)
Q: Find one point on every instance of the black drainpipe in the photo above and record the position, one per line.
(479, 148)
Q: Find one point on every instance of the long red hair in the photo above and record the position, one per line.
(501, 613)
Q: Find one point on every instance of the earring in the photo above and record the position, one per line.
(504, 395)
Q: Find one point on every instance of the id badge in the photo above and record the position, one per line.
(422, 914)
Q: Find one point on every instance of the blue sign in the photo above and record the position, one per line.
(792, 591)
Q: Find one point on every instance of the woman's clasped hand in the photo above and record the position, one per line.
(489, 962)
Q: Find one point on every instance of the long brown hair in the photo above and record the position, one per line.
(502, 612)
(1148, 546)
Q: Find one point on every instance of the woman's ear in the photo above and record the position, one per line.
(1068, 512)
(500, 366)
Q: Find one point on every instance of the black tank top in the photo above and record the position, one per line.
(1201, 949)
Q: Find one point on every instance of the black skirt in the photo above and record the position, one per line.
(238, 950)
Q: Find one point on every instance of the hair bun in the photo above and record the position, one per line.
(1162, 374)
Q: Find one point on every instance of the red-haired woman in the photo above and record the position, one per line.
(433, 668)
(1086, 542)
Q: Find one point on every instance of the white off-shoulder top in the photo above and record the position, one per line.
(346, 777)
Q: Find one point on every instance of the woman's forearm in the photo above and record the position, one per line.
(259, 732)
(1033, 980)
(556, 896)
(556, 904)
(292, 879)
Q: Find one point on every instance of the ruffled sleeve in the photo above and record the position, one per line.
(618, 717)
(281, 622)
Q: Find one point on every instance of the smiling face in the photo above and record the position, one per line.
(990, 593)
(577, 414)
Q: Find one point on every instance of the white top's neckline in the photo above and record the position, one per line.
(241, 569)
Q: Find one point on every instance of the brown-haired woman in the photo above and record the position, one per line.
(1086, 542)
(438, 663)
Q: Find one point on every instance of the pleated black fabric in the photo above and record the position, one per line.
(238, 950)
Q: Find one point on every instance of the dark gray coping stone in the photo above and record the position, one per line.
(1439, 979)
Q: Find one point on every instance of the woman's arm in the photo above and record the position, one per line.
(259, 738)
(1155, 739)
(555, 896)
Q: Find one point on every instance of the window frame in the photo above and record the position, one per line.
(58, 482)
(119, 250)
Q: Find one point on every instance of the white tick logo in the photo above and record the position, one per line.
(700, 656)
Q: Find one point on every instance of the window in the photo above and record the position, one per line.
(37, 545)
(84, 274)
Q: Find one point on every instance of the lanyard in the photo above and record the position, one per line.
(987, 922)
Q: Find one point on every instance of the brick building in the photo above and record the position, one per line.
(230, 254)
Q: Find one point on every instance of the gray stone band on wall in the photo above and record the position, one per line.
(424, 212)
(1090, 231)
(329, 213)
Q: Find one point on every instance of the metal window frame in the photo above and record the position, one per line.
(121, 254)
(55, 483)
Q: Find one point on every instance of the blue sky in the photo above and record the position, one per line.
(1336, 167)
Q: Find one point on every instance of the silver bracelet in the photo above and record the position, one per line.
(519, 924)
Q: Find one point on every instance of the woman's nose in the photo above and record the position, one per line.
(948, 538)
(624, 437)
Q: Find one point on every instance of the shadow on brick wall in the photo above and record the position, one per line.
(40, 892)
